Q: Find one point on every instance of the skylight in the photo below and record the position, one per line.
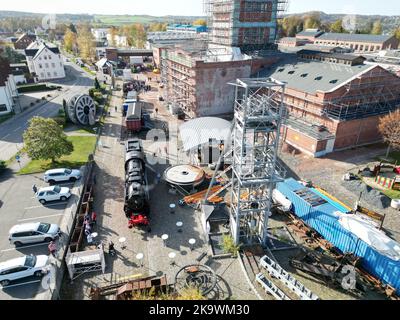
(318, 78)
(333, 81)
(291, 72)
(304, 75)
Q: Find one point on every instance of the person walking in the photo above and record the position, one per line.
(52, 248)
(94, 218)
(35, 189)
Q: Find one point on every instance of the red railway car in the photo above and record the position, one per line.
(134, 117)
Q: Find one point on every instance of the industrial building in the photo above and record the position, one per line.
(334, 101)
(241, 42)
(358, 43)
(186, 28)
(249, 25)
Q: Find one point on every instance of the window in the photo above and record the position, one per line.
(40, 66)
(304, 75)
(55, 74)
(53, 65)
(3, 108)
(333, 81)
(281, 70)
(49, 57)
(48, 74)
(291, 72)
(318, 78)
(42, 75)
(46, 65)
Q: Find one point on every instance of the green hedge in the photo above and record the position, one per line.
(2, 165)
(36, 88)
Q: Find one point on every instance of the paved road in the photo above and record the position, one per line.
(17, 204)
(11, 131)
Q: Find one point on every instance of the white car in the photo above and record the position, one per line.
(32, 233)
(23, 267)
(55, 193)
(61, 175)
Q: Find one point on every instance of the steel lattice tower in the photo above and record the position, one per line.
(259, 112)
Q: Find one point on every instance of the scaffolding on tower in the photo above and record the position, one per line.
(259, 114)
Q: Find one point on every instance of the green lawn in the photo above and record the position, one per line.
(393, 157)
(89, 71)
(392, 194)
(83, 146)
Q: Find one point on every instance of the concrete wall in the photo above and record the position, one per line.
(213, 94)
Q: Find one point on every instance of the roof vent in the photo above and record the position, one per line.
(318, 78)
(333, 81)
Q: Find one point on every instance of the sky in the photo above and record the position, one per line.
(190, 7)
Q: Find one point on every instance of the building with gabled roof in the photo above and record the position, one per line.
(44, 61)
(24, 41)
(334, 101)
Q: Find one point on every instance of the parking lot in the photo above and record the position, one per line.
(18, 206)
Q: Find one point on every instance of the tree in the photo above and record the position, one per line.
(97, 84)
(135, 34)
(70, 40)
(86, 44)
(200, 22)
(377, 28)
(397, 33)
(113, 35)
(45, 140)
(390, 129)
(312, 22)
(72, 28)
(337, 27)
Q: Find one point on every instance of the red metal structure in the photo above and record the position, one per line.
(133, 118)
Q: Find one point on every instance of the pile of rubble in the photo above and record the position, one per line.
(368, 194)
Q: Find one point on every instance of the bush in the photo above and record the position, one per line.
(33, 88)
(60, 120)
(229, 246)
(98, 97)
(2, 165)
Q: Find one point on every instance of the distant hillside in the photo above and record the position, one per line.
(389, 23)
(118, 20)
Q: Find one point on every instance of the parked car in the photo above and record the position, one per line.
(32, 233)
(23, 267)
(61, 175)
(53, 194)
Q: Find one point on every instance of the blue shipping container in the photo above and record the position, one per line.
(320, 215)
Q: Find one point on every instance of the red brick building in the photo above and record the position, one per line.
(335, 102)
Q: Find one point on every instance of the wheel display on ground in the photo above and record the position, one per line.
(81, 109)
(17, 244)
(42, 201)
(63, 198)
(38, 274)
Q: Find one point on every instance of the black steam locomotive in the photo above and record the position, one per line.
(136, 207)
